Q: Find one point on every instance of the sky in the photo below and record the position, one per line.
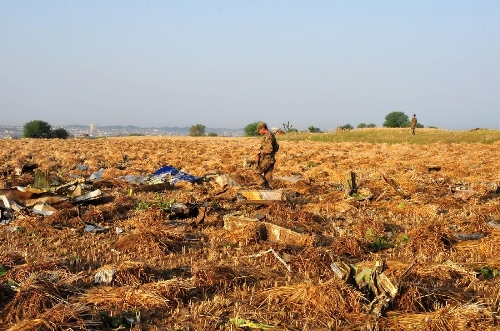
(229, 63)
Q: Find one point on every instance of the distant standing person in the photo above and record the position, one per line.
(266, 155)
(413, 123)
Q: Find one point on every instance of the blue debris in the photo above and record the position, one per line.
(172, 175)
(166, 170)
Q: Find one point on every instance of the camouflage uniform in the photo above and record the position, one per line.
(413, 124)
(267, 152)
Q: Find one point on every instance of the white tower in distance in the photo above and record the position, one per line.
(92, 129)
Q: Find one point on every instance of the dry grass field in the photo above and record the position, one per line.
(413, 245)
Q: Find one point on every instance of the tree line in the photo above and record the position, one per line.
(396, 119)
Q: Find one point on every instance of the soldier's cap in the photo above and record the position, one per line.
(261, 125)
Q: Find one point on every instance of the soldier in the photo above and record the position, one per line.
(266, 155)
(413, 123)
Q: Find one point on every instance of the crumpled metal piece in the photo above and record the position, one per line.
(94, 228)
(371, 281)
(105, 275)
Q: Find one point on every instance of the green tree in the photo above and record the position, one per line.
(60, 133)
(212, 134)
(37, 129)
(396, 119)
(250, 129)
(197, 130)
(314, 129)
(346, 127)
(361, 125)
(371, 125)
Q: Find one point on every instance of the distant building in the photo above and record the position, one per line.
(92, 130)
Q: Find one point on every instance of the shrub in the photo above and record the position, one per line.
(37, 129)
(197, 130)
(250, 129)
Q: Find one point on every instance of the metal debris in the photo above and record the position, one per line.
(469, 236)
(105, 275)
(94, 228)
(87, 196)
(43, 209)
(268, 231)
(260, 196)
(271, 250)
(371, 281)
(395, 186)
(97, 175)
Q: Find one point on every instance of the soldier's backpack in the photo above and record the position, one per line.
(276, 146)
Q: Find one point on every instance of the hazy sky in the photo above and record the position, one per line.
(225, 64)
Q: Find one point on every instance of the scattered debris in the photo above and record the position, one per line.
(172, 175)
(44, 209)
(225, 181)
(268, 231)
(94, 228)
(243, 323)
(97, 175)
(41, 179)
(395, 186)
(343, 270)
(134, 179)
(152, 188)
(179, 209)
(371, 281)
(5, 217)
(105, 275)
(6, 214)
(351, 183)
(289, 179)
(462, 193)
(164, 175)
(433, 167)
(93, 195)
(347, 294)
(271, 250)
(469, 236)
(25, 168)
(82, 167)
(266, 197)
(494, 224)
(356, 192)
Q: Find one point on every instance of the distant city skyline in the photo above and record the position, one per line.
(225, 64)
(74, 130)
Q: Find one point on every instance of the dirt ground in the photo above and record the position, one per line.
(361, 237)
